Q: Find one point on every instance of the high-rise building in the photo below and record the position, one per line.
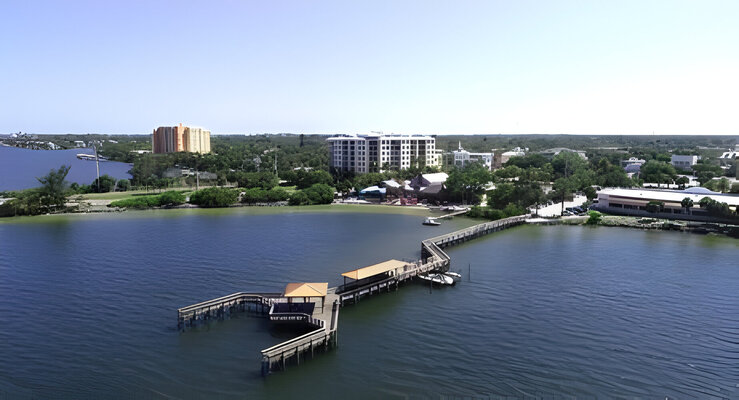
(197, 140)
(378, 152)
(171, 139)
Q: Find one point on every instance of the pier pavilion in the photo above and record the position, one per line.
(307, 291)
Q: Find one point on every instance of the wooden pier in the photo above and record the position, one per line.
(324, 337)
(223, 307)
(325, 321)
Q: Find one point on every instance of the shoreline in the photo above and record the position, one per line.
(245, 209)
(649, 224)
(236, 210)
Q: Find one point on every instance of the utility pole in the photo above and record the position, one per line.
(562, 213)
(97, 163)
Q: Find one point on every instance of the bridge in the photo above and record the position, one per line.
(324, 323)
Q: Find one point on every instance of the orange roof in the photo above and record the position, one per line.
(373, 270)
(306, 289)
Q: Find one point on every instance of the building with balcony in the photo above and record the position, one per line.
(377, 152)
(172, 139)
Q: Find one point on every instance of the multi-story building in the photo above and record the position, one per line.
(378, 152)
(463, 157)
(197, 140)
(171, 139)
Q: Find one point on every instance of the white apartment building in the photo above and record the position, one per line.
(463, 157)
(376, 152)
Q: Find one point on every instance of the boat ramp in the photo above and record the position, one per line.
(323, 320)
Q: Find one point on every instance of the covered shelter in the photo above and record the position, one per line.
(369, 274)
(306, 290)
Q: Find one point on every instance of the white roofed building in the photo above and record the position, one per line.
(635, 202)
(463, 157)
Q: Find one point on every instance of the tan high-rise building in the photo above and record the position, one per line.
(171, 139)
(197, 140)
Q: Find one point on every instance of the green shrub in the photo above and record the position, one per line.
(171, 198)
(139, 202)
(320, 193)
(594, 218)
(298, 198)
(214, 197)
(257, 195)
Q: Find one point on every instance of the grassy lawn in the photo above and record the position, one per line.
(123, 195)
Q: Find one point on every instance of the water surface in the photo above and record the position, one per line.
(19, 168)
(89, 309)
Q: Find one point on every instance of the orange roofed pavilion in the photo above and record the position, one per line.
(306, 291)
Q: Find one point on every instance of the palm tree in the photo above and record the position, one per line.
(687, 203)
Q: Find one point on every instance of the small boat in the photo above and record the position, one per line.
(431, 221)
(90, 157)
(440, 279)
(453, 275)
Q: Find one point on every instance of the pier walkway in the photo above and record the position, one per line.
(324, 321)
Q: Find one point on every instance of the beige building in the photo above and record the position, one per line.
(197, 140)
(172, 139)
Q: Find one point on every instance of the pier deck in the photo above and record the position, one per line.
(325, 320)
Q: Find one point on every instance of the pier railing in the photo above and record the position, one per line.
(294, 317)
(277, 356)
(476, 230)
(218, 307)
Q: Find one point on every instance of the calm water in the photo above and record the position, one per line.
(88, 307)
(19, 168)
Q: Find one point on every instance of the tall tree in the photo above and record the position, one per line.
(54, 187)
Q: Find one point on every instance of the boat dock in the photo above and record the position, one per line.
(453, 214)
(323, 321)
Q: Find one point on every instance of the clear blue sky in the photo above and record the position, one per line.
(435, 67)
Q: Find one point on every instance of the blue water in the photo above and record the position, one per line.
(88, 309)
(19, 168)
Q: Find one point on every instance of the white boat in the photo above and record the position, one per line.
(431, 221)
(440, 279)
(90, 157)
(453, 275)
(355, 201)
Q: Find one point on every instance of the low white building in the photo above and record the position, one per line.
(500, 158)
(632, 161)
(463, 157)
(728, 158)
(635, 201)
(683, 162)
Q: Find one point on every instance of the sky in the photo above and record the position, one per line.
(412, 67)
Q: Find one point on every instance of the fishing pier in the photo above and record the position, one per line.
(287, 308)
